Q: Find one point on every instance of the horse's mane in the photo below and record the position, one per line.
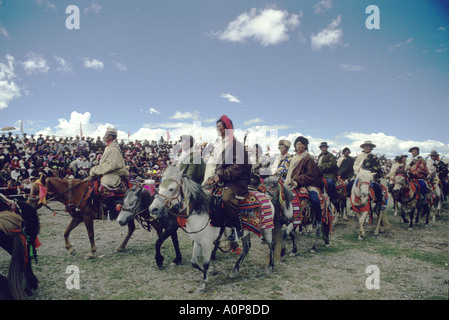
(288, 193)
(191, 189)
(365, 175)
(9, 221)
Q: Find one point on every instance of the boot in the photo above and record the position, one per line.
(237, 233)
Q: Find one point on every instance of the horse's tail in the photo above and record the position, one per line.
(17, 269)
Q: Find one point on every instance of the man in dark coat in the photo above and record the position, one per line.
(327, 163)
(233, 168)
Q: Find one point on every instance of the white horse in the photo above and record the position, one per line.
(438, 199)
(178, 193)
(364, 204)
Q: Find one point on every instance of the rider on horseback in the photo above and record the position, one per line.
(282, 162)
(369, 161)
(417, 170)
(111, 169)
(304, 172)
(327, 163)
(233, 169)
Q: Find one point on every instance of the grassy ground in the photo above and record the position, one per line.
(412, 265)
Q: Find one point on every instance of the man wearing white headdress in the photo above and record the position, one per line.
(112, 167)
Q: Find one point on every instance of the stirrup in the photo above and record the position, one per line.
(235, 233)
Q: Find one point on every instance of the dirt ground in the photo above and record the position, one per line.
(412, 265)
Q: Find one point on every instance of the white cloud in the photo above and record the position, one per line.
(442, 28)
(94, 8)
(4, 32)
(349, 67)
(323, 6)
(93, 64)
(329, 37)
(64, 66)
(47, 4)
(9, 90)
(230, 97)
(36, 63)
(401, 45)
(185, 115)
(153, 110)
(120, 66)
(267, 26)
(253, 121)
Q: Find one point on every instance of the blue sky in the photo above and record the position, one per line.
(307, 68)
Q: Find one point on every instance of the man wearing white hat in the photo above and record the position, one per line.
(111, 168)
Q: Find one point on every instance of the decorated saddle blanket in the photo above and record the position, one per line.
(101, 191)
(256, 213)
(299, 201)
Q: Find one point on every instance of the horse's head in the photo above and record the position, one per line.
(178, 191)
(399, 185)
(131, 205)
(280, 193)
(37, 193)
(169, 194)
(362, 185)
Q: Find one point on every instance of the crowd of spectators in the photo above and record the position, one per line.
(23, 158)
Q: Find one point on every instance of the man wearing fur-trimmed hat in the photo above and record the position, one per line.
(282, 161)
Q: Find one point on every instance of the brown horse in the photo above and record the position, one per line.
(76, 195)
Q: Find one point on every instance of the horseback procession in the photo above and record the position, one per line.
(221, 194)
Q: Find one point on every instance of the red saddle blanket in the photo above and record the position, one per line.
(256, 212)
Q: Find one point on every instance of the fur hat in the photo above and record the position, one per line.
(413, 148)
(285, 143)
(303, 140)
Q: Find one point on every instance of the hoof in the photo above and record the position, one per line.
(201, 289)
(312, 250)
(360, 238)
(292, 254)
(90, 255)
(119, 249)
(234, 274)
(71, 251)
(212, 271)
(269, 270)
(327, 245)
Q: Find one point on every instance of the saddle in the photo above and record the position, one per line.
(103, 192)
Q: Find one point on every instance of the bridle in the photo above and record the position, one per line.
(173, 209)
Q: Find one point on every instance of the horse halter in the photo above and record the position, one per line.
(133, 210)
(167, 200)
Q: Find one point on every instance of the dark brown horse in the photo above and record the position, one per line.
(76, 195)
(19, 227)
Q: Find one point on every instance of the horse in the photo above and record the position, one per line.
(19, 229)
(135, 206)
(339, 206)
(406, 192)
(77, 196)
(437, 198)
(364, 202)
(282, 198)
(178, 193)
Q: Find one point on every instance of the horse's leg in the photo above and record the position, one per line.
(326, 232)
(362, 218)
(207, 248)
(174, 238)
(217, 244)
(246, 243)
(72, 225)
(268, 236)
(131, 228)
(89, 223)
(291, 231)
(412, 212)
(317, 236)
(159, 257)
